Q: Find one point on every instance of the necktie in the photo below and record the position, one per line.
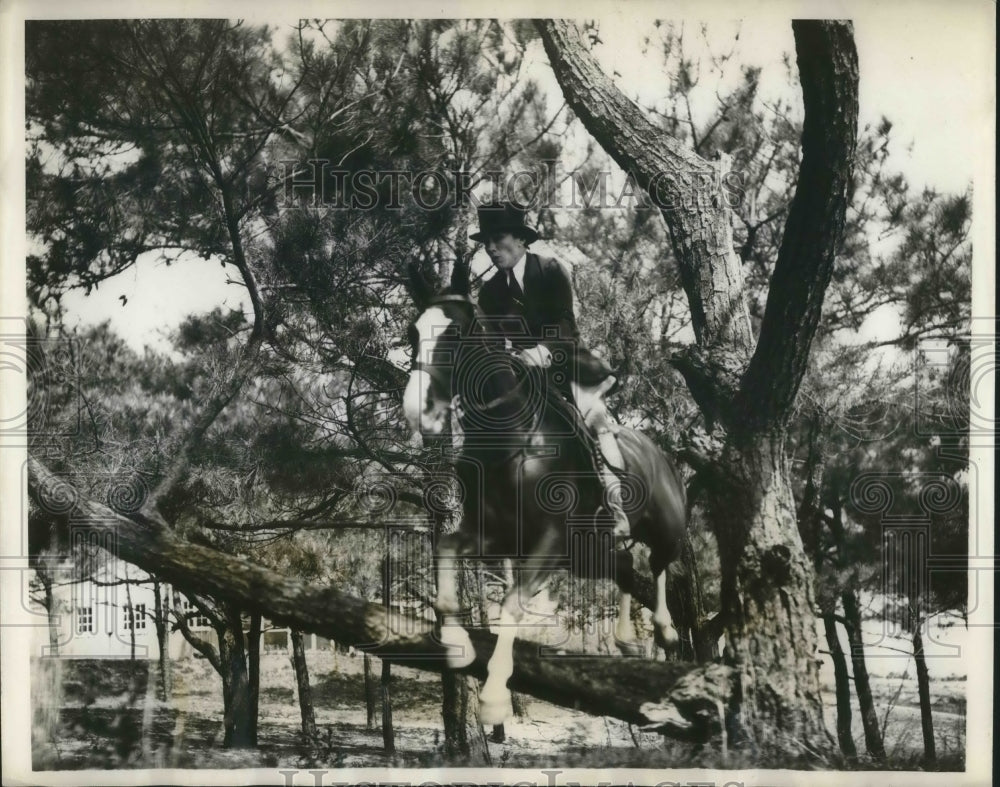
(513, 288)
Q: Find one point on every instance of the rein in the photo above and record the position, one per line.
(459, 406)
(504, 398)
(439, 370)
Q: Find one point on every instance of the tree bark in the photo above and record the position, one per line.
(162, 642)
(464, 738)
(843, 688)
(767, 582)
(226, 674)
(828, 72)
(924, 691)
(304, 688)
(371, 692)
(687, 610)
(204, 647)
(388, 737)
(862, 685)
(45, 577)
(238, 723)
(253, 668)
(648, 694)
(229, 662)
(684, 186)
(131, 616)
(767, 600)
(517, 703)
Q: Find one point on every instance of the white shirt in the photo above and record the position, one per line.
(539, 355)
(518, 271)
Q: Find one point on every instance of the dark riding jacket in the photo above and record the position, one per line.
(543, 316)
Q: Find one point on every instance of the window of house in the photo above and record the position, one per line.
(84, 620)
(135, 613)
(198, 621)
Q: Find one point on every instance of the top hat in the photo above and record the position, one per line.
(503, 217)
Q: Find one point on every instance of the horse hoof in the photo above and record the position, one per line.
(495, 712)
(629, 648)
(458, 646)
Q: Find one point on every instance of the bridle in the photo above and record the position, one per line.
(438, 371)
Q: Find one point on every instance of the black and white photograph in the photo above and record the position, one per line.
(476, 393)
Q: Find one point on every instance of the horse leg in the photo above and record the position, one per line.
(494, 698)
(663, 632)
(625, 639)
(459, 650)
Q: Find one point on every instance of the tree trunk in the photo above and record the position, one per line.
(767, 601)
(388, 738)
(924, 690)
(238, 723)
(253, 664)
(862, 685)
(131, 616)
(45, 577)
(371, 693)
(687, 610)
(767, 582)
(464, 737)
(162, 642)
(683, 185)
(518, 705)
(302, 684)
(453, 695)
(226, 674)
(843, 685)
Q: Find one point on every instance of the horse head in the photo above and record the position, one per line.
(457, 353)
(433, 339)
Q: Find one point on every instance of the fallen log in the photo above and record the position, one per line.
(682, 700)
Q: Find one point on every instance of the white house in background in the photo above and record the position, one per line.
(98, 614)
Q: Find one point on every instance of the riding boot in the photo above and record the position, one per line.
(612, 483)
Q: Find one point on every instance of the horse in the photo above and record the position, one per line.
(528, 476)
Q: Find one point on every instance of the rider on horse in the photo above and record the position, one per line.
(532, 505)
(531, 301)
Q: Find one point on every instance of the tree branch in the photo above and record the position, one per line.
(210, 410)
(204, 647)
(828, 71)
(686, 188)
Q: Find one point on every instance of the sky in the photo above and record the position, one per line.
(928, 83)
(922, 65)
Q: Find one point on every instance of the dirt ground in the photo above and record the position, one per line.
(97, 724)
